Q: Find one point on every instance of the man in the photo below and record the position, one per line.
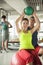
(38, 49)
(34, 36)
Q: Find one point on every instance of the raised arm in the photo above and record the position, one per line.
(17, 21)
(9, 25)
(37, 26)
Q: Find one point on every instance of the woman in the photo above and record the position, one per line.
(25, 36)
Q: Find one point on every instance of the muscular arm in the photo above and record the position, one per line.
(37, 26)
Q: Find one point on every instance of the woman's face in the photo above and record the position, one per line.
(24, 24)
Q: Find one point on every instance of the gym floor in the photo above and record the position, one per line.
(6, 57)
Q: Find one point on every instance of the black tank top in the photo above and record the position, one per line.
(34, 38)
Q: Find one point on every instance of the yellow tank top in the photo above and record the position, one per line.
(26, 40)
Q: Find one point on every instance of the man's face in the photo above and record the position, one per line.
(32, 21)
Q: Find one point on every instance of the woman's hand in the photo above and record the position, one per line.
(22, 15)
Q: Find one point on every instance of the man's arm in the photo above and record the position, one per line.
(37, 26)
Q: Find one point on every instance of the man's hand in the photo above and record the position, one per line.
(34, 14)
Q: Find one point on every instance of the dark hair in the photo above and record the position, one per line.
(25, 19)
(32, 17)
(4, 16)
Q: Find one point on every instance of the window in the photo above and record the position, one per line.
(40, 33)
